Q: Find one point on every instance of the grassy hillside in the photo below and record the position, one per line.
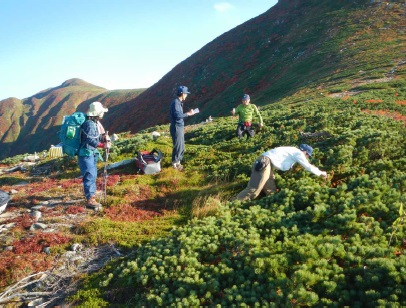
(314, 243)
(321, 47)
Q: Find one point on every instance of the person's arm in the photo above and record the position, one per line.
(178, 111)
(302, 160)
(258, 114)
(238, 111)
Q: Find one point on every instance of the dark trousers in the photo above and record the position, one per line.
(178, 140)
(242, 129)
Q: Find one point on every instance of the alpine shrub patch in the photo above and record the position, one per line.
(313, 243)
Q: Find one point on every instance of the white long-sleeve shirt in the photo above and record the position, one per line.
(283, 158)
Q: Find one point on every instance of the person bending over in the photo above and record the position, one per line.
(280, 158)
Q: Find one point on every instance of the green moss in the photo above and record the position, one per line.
(127, 234)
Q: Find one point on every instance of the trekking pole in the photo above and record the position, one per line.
(105, 175)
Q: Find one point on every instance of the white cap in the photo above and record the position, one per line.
(96, 109)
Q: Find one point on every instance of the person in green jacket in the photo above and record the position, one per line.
(246, 111)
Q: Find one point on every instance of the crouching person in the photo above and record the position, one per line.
(246, 111)
(92, 137)
(280, 158)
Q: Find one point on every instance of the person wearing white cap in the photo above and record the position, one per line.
(280, 158)
(93, 137)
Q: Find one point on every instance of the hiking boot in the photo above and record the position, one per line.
(93, 204)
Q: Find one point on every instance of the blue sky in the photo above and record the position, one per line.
(115, 44)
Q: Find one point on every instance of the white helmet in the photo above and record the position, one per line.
(96, 109)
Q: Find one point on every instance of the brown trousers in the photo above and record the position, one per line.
(264, 179)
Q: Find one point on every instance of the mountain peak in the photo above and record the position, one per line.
(77, 82)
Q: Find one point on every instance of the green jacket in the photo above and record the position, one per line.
(246, 113)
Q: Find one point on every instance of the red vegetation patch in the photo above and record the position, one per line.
(38, 242)
(129, 214)
(111, 180)
(401, 102)
(43, 186)
(14, 268)
(74, 209)
(24, 221)
(52, 212)
(393, 114)
(374, 101)
(12, 209)
(70, 183)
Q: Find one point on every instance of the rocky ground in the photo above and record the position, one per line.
(38, 220)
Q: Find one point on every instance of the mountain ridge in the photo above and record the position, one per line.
(271, 56)
(277, 54)
(31, 124)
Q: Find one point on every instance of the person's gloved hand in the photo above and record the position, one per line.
(324, 175)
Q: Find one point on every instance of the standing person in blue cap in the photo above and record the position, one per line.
(246, 111)
(280, 158)
(177, 126)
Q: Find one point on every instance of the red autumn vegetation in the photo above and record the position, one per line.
(38, 242)
(393, 114)
(24, 221)
(14, 268)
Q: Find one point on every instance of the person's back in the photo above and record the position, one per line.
(281, 158)
(89, 137)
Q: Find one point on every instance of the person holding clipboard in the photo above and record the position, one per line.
(177, 126)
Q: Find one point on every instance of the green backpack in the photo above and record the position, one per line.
(70, 132)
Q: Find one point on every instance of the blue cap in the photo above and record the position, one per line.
(183, 90)
(245, 96)
(307, 148)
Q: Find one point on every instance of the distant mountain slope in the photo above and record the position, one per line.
(31, 124)
(320, 45)
(316, 48)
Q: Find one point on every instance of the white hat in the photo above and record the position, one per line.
(96, 109)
